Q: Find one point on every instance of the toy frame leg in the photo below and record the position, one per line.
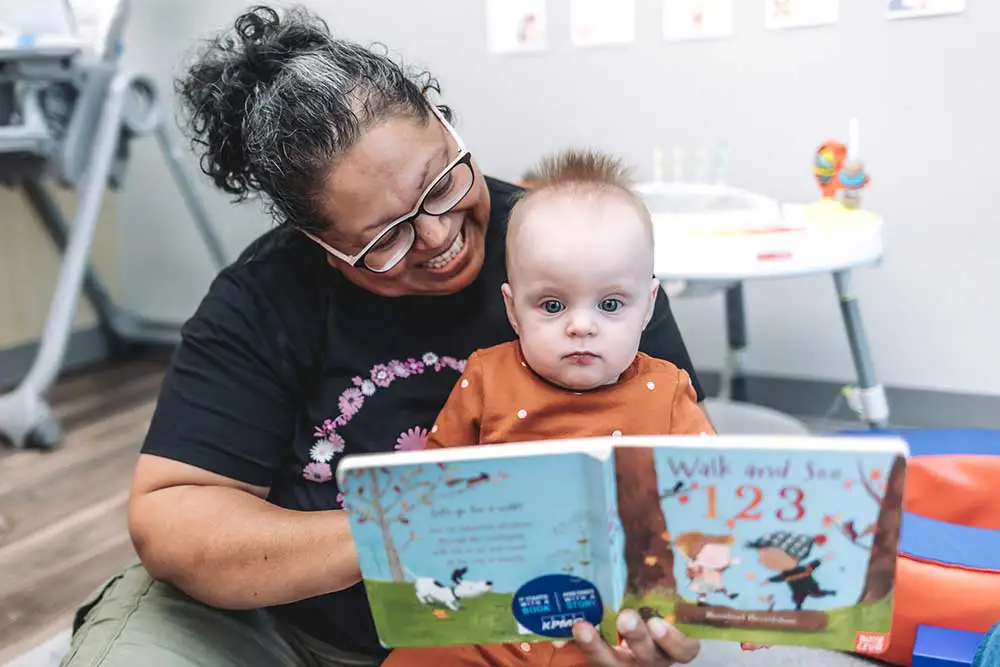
(869, 399)
(733, 384)
(120, 327)
(26, 419)
(172, 155)
(51, 217)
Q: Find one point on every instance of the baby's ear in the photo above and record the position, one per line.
(654, 288)
(508, 302)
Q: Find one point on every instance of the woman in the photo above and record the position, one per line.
(342, 330)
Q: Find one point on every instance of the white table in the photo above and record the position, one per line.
(715, 237)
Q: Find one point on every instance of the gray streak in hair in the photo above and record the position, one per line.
(274, 103)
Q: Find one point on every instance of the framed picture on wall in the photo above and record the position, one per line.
(907, 9)
(602, 22)
(785, 14)
(516, 26)
(697, 19)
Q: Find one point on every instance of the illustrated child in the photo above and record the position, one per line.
(707, 556)
(579, 295)
(784, 552)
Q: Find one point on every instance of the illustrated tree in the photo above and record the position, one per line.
(880, 577)
(387, 497)
(648, 557)
(881, 537)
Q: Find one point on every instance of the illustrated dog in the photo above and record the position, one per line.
(432, 591)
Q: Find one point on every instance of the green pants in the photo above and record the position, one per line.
(133, 620)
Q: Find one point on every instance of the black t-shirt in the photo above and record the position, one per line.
(286, 366)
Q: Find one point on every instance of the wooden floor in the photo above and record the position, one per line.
(62, 513)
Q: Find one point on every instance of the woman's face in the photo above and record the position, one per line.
(381, 179)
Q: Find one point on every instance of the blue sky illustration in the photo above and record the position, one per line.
(526, 524)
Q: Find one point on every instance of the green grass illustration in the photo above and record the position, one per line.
(487, 619)
(404, 621)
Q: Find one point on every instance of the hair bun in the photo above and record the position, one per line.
(230, 70)
(267, 41)
(259, 33)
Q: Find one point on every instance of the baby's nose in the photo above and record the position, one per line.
(581, 324)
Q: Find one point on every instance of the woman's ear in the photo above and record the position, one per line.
(653, 289)
(508, 303)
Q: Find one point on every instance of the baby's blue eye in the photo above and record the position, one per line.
(551, 306)
(611, 305)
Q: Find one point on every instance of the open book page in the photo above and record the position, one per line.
(480, 550)
(777, 545)
(784, 540)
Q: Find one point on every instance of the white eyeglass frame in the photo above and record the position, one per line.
(464, 155)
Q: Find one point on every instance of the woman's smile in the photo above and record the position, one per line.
(452, 258)
(452, 252)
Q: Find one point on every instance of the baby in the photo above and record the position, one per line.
(580, 293)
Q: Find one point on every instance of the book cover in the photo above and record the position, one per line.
(788, 544)
(787, 540)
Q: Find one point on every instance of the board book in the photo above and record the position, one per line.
(767, 540)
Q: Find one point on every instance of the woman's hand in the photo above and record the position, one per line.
(651, 644)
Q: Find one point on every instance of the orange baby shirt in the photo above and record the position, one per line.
(500, 399)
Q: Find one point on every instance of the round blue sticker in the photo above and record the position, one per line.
(550, 605)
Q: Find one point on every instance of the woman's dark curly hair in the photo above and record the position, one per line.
(273, 103)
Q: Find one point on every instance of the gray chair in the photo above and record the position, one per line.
(67, 116)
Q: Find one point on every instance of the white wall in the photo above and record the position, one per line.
(923, 89)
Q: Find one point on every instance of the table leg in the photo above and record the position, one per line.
(870, 397)
(734, 383)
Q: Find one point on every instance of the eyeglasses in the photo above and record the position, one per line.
(392, 243)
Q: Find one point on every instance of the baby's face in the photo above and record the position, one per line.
(581, 289)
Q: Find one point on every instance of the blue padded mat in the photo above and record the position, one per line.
(936, 441)
(944, 647)
(949, 543)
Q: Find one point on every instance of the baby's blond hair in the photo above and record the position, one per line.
(576, 167)
(582, 172)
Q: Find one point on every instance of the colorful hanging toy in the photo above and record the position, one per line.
(837, 169)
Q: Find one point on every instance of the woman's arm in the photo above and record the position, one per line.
(220, 542)
(222, 432)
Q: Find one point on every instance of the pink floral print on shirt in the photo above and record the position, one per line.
(350, 402)
(382, 376)
(318, 472)
(411, 440)
(329, 442)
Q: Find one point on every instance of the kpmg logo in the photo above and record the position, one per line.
(560, 622)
